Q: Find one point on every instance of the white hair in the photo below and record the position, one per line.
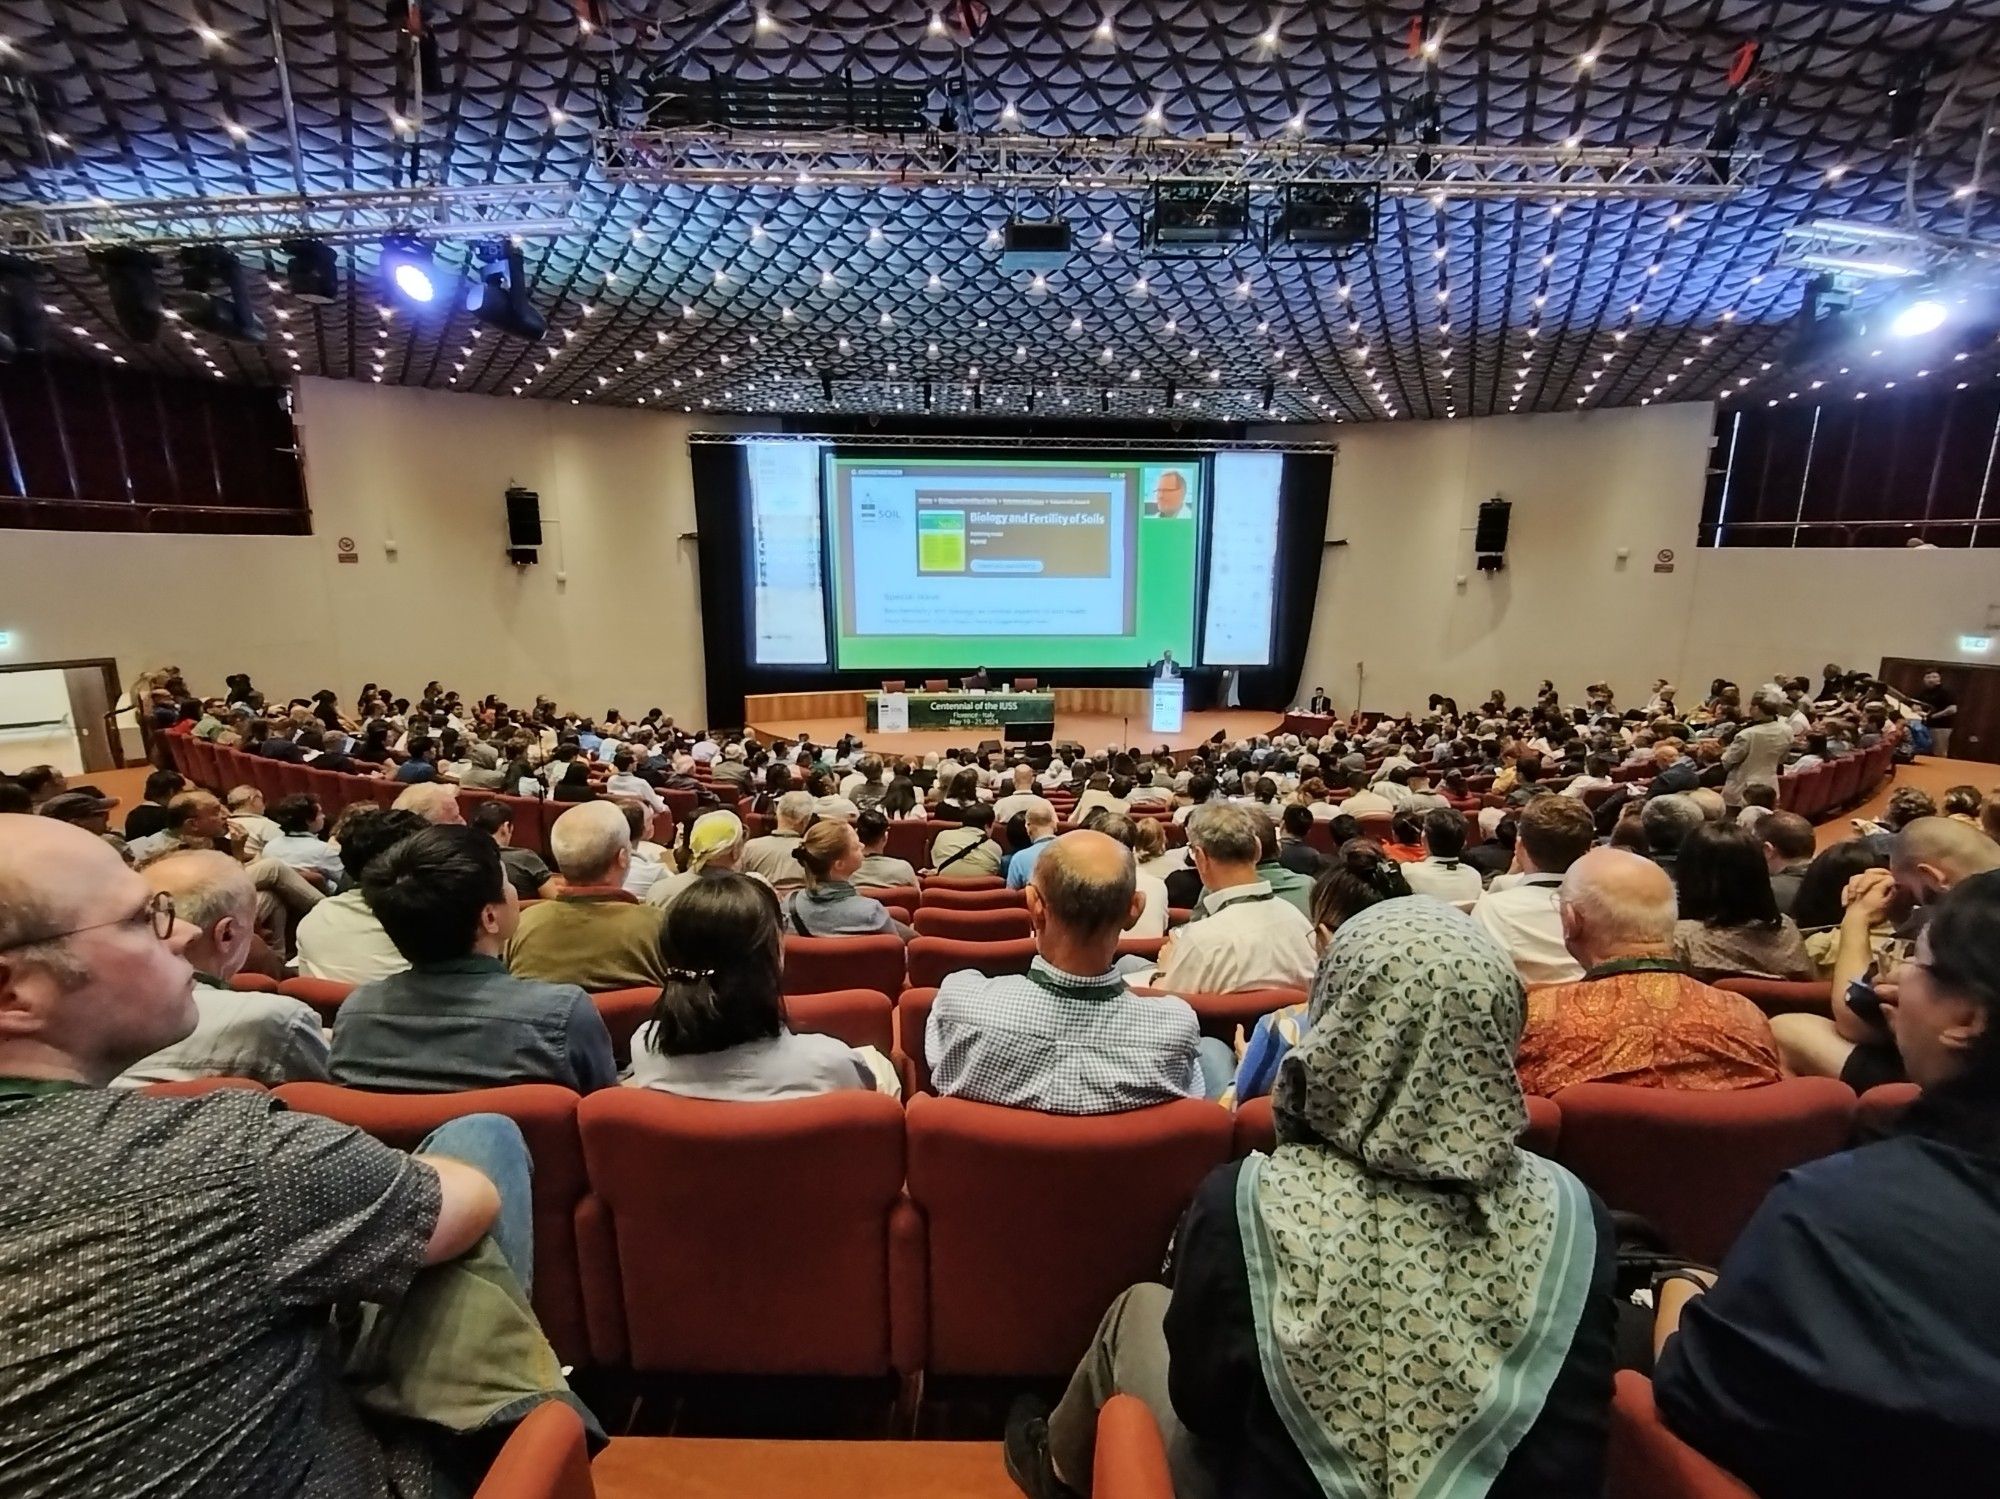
(795, 810)
(1613, 916)
(428, 799)
(588, 839)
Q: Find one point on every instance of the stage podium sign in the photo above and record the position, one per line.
(1167, 705)
(892, 713)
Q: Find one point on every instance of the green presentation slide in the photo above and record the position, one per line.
(1012, 563)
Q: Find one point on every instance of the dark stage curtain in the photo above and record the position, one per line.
(722, 548)
(1302, 503)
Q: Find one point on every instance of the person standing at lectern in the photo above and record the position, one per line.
(1165, 667)
(977, 681)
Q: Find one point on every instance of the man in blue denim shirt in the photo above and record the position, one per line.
(457, 1019)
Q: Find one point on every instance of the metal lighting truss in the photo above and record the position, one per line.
(1882, 251)
(433, 213)
(703, 157)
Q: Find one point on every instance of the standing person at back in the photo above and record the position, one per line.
(595, 934)
(1068, 1036)
(1249, 937)
(1524, 919)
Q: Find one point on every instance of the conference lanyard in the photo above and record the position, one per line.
(1110, 989)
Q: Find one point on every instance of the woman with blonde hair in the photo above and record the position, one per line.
(830, 906)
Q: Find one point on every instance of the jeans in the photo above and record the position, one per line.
(1128, 1356)
(492, 1145)
(1218, 1066)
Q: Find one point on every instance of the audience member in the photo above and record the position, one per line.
(299, 844)
(1023, 796)
(340, 939)
(456, 1019)
(1298, 1274)
(1443, 872)
(436, 802)
(770, 855)
(1154, 915)
(1068, 1036)
(1819, 909)
(1788, 842)
(267, 1038)
(829, 905)
(1495, 856)
(1636, 1016)
(720, 1028)
(1040, 824)
(222, 1232)
(1294, 852)
(1524, 918)
(1667, 821)
(1729, 919)
(1873, 1259)
(712, 843)
(150, 815)
(593, 934)
(526, 870)
(1247, 938)
(878, 870)
(1758, 751)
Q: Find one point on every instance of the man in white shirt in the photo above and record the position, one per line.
(1596, 774)
(1526, 917)
(624, 783)
(340, 939)
(1442, 872)
(265, 1037)
(1365, 802)
(1250, 939)
(1023, 797)
(247, 819)
(705, 750)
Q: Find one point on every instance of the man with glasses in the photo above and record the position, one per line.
(172, 1264)
(265, 1037)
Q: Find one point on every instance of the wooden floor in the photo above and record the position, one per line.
(1931, 774)
(700, 1468)
(1093, 731)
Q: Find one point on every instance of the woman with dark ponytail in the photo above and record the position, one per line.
(719, 1028)
(1851, 1341)
(1362, 875)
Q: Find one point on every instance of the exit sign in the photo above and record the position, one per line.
(6, 640)
(1975, 645)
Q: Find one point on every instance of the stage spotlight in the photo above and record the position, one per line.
(500, 297)
(408, 270)
(826, 386)
(24, 321)
(1922, 314)
(132, 277)
(214, 278)
(312, 270)
(1909, 84)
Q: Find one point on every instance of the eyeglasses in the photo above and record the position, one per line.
(158, 913)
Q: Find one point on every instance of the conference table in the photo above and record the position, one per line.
(969, 710)
(1308, 725)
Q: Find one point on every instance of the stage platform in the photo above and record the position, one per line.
(1092, 730)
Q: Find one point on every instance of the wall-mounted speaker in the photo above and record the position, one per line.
(524, 525)
(1490, 538)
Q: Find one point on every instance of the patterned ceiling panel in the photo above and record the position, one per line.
(754, 299)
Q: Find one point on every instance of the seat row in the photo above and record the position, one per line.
(957, 1238)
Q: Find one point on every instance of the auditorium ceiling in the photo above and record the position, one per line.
(798, 295)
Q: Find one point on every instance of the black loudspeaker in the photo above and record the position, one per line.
(1029, 732)
(524, 525)
(1490, 540)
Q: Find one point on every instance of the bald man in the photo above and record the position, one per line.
(1068, 1036)
(208, 1238)
(1929, 857)
(1636, 1016)
(268, 1038)
(436, 802)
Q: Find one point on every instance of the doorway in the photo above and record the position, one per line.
(59, 713)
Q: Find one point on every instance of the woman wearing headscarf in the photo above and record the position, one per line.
(713, 841)
(1399, 1303)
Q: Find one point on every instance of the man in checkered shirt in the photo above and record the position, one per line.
(1068, 1036)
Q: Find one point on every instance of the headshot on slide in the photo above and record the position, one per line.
(1169, 493)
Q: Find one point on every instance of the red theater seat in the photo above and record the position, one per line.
(1644, 1460)
(624, 1011)
(963, 881)
(938, 898)
(1878, 1111)
(1220, 1014)
(1034, 1223)
(744, 1238)
(1000, 924)
(913, 1016)
(547, 1116)
(823, 965)
(545, 1457)
(1697, 1165)
(1781, 996)
(1256, 1130)
(904, 897)
(324, 995)
(931, 958)
(860, 1017)
(1131, 1460)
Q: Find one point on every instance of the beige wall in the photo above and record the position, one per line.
(1584, 487)
(609, 616)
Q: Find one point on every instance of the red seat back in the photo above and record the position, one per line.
(692, 1200)
(860, 1017)
(964, 882)
(545, 1457)
(324, 995)
(913, 1017)
(547, 1116)
(1255, 1129)
(1844, 785)
(624, 1011)
(931, 958)
(1000, 924)
(1131, 1460)
(1781, 996)
(1696, 1165)
(823, 965)
(1035, 1222)
(942, 898)
(1644, 1460)
(1880, 1110)
(911, 842)
(1221, 1014)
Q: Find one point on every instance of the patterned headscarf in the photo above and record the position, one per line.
(1416, 1277)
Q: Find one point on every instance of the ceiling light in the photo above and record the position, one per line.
(1924, 314)
(408, 269)
(936, 27)
(1588, 59)
(1104, 32)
